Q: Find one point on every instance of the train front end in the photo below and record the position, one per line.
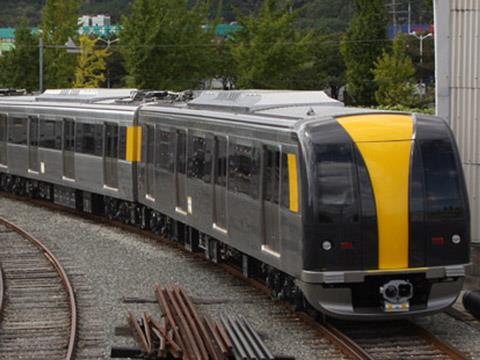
(386, 228)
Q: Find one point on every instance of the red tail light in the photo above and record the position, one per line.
(346, 245)
(439, 240)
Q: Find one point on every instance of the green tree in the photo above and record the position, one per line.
(91, 64)
(59, 23)
(395, 76)
(19, 67)
(269, 52)
(328, 70)
(166, 46)
(363, 44)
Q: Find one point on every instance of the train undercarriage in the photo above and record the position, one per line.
(281, 285)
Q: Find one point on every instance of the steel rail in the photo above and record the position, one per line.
(441, 345)
(2, 292)
(65, 280)
(342, 342)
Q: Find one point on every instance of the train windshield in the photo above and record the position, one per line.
(442, 180)
(335, 183)
(335, 171)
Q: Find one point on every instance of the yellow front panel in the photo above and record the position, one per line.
(378, 127)
(134, 143)
(293, 182)
(385, 144)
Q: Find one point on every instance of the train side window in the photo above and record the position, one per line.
(181, 151)
(243, 169)
(51, 134)
(33, 131)
(285, 195)
(149, 144)
(3, 128)
(89, 139)
(3, 139)
(111, 140)
(200, 158)
(68, 135)
(271, 176)
(164, 149)
(122, 142)
(17, 130)
(221, 161)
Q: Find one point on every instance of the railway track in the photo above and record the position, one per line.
(39, 311)
(337, 340)
(398, 340)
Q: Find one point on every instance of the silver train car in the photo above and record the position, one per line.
(360, 214)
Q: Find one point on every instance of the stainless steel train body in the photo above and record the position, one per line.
(365, 212)
(74, 146)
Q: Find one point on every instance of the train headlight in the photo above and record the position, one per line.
(326, 245)
(456, 239)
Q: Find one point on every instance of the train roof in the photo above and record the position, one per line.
(85, 95)
(273, 108)
(251, 101)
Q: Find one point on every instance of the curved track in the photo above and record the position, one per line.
(39, 312)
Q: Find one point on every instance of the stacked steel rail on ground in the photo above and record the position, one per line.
(182, 333)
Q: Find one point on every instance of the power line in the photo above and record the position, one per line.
(288, 43)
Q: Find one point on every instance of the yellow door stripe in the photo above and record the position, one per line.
(134, 143)
(385, 143)
(293, 182)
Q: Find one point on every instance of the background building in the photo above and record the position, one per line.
(457, 27)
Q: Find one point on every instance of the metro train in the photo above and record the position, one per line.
(357, 213)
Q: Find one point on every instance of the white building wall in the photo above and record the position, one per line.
(457, 43)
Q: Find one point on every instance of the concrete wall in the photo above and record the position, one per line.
(457, 43)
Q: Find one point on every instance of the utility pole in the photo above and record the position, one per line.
(409, 16)
(394, 13)
(40, 64)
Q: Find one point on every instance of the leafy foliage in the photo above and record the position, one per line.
(165, 45)
(328, 69)
(326, 16)
(428, 111)
(394, 74)
(58, 25)
(115, 8)
(91, 64)
(19, 67)
(363, 44)
(269, 52)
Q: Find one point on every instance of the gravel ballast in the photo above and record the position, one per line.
(120, 264)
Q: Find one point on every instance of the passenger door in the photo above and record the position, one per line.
(181, 171)
(68, 149)
(110, 159)
(271, 199)
(149, 147)
(220, 184)
(33, 138)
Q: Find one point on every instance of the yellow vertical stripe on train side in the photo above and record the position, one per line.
(293, 182)
(385, 142)
(134, 143)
